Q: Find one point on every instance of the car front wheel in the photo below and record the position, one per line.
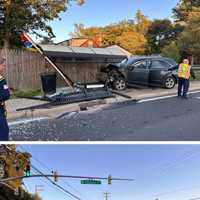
(119, 84)
(169, 82)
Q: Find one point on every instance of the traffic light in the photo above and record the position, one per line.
(109, 180)
(55, 174)
(27, 171)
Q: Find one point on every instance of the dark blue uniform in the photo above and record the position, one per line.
(4, 95)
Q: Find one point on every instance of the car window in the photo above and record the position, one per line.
(171, 61)
(142, 64)
(159, 64)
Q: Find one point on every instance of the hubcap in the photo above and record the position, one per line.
(120, 84)
(169, 83)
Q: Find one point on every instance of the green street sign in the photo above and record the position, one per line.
(90, 181)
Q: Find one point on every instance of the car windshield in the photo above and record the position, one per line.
(126, 62)
(123, 63)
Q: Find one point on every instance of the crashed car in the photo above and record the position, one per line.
(144, 70)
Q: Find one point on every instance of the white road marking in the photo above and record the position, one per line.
(155, 98)
(163, 97)
(26, 121)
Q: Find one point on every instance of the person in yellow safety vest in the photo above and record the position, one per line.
(184, 73)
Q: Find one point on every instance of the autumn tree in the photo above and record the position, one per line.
(29, 16)
(142, 23)
(132, 41)
(12, 164)
(129, 34)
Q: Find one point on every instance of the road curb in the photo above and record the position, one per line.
(54, 112)
(63, 110)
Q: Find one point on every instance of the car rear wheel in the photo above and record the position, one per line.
(169, 82)
(119, 84)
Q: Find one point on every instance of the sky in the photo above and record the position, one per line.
(104, 12)
(159, 171)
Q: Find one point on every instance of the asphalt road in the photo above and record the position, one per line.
(169, 119)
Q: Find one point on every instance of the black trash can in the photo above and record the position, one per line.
(48, 82)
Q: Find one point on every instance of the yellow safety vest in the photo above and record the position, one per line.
(184, 71)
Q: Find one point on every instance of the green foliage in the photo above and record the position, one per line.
(171, 51)
(190, 37)
(185, 8)
(30, 93)
(161, 33)
(197, 74)
(29, 16)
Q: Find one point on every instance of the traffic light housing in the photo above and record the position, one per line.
(55, 175)
(27, 171)
(109, 180)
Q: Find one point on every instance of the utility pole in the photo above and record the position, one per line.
(106, 195)
(38, 189)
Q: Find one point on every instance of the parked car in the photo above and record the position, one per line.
(145, 70)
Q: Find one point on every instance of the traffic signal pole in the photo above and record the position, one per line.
(67, 80)
(62, 176)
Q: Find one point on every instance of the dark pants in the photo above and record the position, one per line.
(183, 86)
(4, 130)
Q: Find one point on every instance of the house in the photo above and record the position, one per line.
(95, 42)
(127, 53)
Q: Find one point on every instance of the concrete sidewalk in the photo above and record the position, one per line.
(54, 112)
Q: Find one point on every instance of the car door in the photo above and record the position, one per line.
(138, 72)
(158, 69)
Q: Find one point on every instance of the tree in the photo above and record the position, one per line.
(134, 42)
(46, 40)
(186, 8)
(160, 34)
(129, 34)
(14, 163)
(29, 16)
(142, 23)
(188, 41)
(7, 193)
(172, 51)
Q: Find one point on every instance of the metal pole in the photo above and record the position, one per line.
(62, 176)
(69, 82)
(106, 194)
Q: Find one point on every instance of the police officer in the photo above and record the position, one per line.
(184, 73)
(4, 95)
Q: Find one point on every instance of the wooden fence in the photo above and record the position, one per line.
(24, 69)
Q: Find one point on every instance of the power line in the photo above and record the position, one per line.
(45, 166)
(55, 184)
(60, 187)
